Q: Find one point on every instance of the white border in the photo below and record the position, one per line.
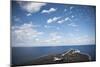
(82, 2)
(4, 33)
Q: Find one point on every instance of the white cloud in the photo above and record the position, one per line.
(67, 19)
(71, 7)
(72, 24)
(29, 14)
(82, 40)
(64, 20)
(30, 6)
(24, 35)
(27, 35)
(61, 21)
(49, 11)
(49, 20)
(54, 19)
(53, 39)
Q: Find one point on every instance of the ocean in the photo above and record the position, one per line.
(20, 55)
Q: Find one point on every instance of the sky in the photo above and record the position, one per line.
(51, 24)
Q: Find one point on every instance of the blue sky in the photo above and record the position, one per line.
(52, 24)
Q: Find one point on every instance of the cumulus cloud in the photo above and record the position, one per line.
(30, 6)
(29, 14)
(67, 19)
(49, 11)
(54, 19)
(64, 20)
(59, 20)
(27, 35)
(24, 35)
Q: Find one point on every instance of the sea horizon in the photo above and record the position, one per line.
(25, 54)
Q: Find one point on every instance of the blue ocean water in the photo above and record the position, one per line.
(25, 54)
